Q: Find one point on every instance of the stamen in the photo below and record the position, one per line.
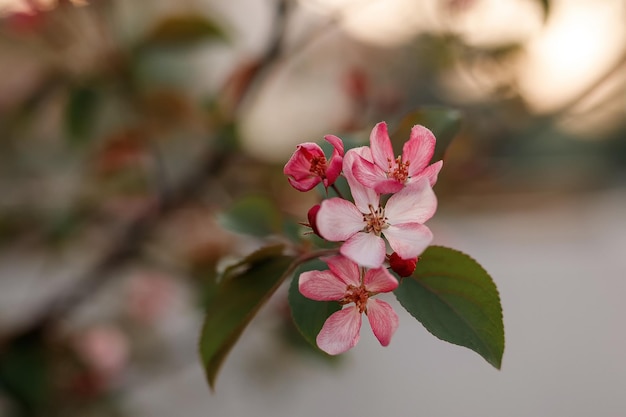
(401, 171)
(318, 166)
(357, 295)
(375, 220)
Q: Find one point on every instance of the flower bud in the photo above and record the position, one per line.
(312, 216)
(402, 267)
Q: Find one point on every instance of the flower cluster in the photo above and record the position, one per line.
(367, 226)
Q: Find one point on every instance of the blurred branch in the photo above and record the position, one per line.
(127, 245)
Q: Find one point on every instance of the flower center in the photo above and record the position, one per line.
(398, 170)
(356, 295)
(375, 220)
(318, 166)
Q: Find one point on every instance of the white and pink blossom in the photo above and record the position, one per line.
(308, 165)
(385, 173)
(351, 285)
(361, 224)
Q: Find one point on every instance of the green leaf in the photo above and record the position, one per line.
(456, 300)
(256, 216)
(183, 30)
(80, 113)
(445, 123)
(309, 315)
(25, 372)
(244, 288)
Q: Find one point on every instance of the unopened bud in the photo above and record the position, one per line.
(402, 267)
(312, 216)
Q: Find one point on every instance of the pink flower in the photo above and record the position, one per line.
(308, 166)
(387, 174)
(105, 349)
(346, 283)
(361, 224)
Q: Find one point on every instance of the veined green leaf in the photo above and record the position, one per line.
(456, 300)
(241, 293)
(309, 315)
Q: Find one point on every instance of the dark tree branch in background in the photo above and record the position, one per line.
(128, 244)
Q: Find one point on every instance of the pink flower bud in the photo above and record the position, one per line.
(312, 216)
(308, 165)
(402, 267)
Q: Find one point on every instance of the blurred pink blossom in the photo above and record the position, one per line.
(149, 297)
(104, 348)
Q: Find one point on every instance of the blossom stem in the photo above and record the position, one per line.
(309, 256)
(334, 187)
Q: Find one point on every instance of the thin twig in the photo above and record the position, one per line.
(128, 244)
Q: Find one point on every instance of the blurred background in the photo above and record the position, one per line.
(130, 130)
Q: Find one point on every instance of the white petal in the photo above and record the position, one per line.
(338, 219)
(362, 195)
(416, 203)
(366, 249)
(340, 331)
(408, 239)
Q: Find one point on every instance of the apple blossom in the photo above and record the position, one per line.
(308, 165)
(347, 283)
(387, 174)
(361, 224)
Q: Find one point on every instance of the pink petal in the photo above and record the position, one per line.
(304, 184)
(431, 172)
(333, 170)
(416, 203)
(367, 173)
(380, 144)
(345, 270)
(419, 149)
(388, 186)
(408, 239)
(363, 196)
(299, 164)
(321, 286)
(383, 320)
(338, 219)
(379, 280)
(336, 142)
(371, 176)
(335, 163)
(340, 331)
(366, 249)
(310, 149)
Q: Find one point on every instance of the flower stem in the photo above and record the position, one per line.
(334, 187)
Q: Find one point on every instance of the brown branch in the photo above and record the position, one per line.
(128, 244)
